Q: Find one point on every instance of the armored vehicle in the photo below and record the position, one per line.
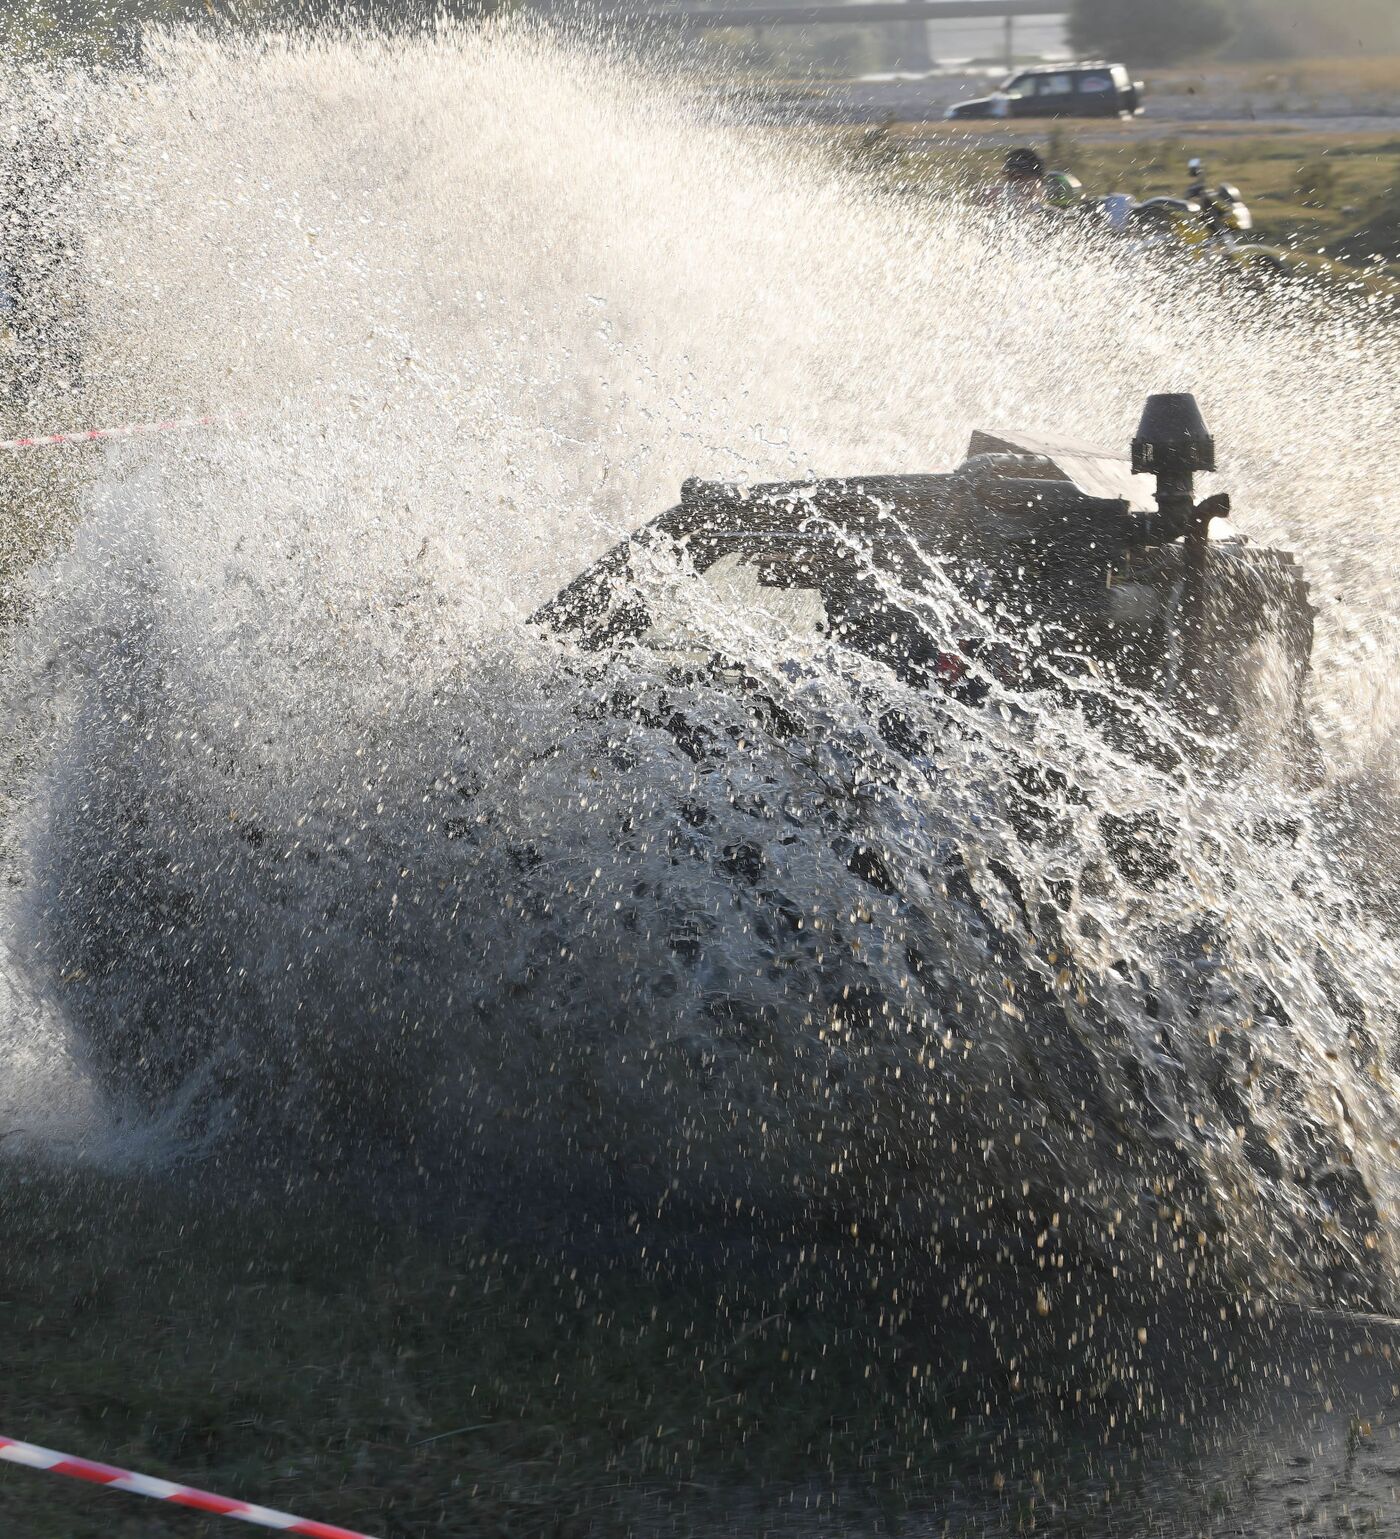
(1059, 566)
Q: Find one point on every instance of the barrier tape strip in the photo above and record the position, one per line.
(126, 430)
(114, 1479)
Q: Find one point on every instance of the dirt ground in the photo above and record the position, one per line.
(431, 1385)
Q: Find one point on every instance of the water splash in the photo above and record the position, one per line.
(315, 833)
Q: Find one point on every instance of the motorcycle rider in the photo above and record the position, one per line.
(1022, 184)
(1222, 209)
(1063, 190)
(1197, 192)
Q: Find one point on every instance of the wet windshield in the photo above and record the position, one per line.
(763, 589)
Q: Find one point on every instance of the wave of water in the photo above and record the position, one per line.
(314, 837)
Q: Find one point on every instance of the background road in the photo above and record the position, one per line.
(924, 100)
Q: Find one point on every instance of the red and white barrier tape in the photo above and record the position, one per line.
(165, 1491)
(126, 430)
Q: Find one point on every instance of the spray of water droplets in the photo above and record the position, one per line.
(312, 833)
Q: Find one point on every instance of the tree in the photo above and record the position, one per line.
(1148, 31)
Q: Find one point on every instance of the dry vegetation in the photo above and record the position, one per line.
(1362, 82)
(1308, 191)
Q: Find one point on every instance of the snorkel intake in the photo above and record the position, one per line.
(1173, 444)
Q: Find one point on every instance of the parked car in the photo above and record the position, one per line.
(1093, 90)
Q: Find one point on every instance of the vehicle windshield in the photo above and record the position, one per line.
(1023, 83)
(740, 588)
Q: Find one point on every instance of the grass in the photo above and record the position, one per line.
(1308, 191)
(1294, 83)
(1303, 190)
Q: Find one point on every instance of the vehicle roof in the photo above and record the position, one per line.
(1098, 471)
(1068, 68)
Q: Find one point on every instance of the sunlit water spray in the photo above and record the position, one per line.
(314, 835)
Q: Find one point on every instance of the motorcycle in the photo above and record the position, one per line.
(1211, 225)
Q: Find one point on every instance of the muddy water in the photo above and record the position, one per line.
(315, 842)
